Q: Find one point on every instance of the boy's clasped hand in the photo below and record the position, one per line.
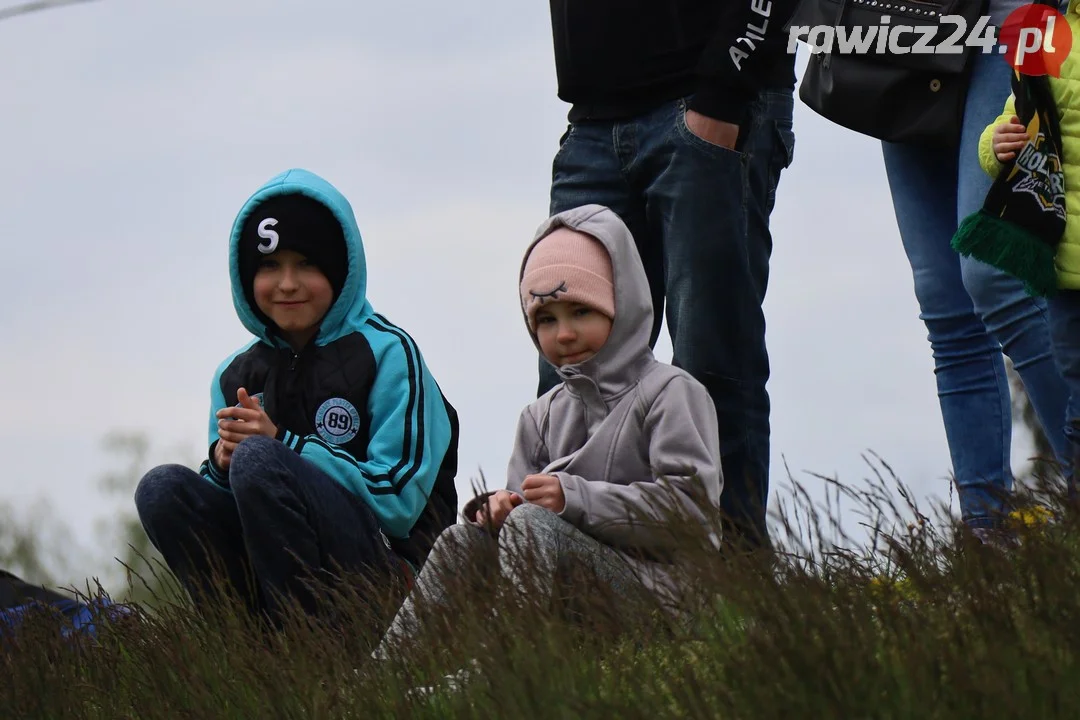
(253, 421)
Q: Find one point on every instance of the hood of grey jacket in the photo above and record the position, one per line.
(626, 354)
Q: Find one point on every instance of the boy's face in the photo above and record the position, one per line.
(570, 333)
(293, 293)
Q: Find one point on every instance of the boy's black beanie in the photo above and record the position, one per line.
(302, 224)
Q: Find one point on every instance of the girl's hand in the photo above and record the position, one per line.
(498, 506)
(545, 491)
(1009, 138)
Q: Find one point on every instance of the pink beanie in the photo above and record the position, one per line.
(569, 266)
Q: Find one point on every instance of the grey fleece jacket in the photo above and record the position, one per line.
(629, 438)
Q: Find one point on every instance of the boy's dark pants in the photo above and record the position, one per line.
(700, 216)
(284, 524)
(1064, 311)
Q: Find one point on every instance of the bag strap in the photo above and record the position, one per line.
(841, 6)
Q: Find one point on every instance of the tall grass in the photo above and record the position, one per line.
(918, 620)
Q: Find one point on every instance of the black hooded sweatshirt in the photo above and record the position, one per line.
(619, 58)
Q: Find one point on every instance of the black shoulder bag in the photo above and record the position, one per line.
(908, 97)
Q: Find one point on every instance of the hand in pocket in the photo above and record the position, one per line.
(711, 130)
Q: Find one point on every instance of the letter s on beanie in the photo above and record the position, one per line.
(567, 266)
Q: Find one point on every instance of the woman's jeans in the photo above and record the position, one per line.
(972, 311)
(1065, 326)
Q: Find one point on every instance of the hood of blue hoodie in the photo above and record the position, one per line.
(351, 308)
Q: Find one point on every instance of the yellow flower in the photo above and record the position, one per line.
(1031, 517)
(901, 588)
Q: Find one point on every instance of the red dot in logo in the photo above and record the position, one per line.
(1036, 40)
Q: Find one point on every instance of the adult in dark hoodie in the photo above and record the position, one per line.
(680, 122)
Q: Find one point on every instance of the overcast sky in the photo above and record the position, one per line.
(133, 132)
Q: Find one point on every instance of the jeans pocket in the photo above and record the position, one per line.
(690, 138)
(563, 140)
(780, 155)
(785, 142)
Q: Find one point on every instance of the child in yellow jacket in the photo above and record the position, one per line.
(999, 144)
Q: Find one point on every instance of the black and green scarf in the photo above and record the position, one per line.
(1023, 217)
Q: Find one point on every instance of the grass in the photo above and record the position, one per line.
(919, 621)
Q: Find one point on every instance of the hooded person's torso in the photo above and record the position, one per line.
(324, 390)
(591, 414)
(1066, 90)
(593, 425)
(294, 384)
(1065, 87)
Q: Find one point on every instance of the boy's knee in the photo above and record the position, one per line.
(255, 449)
(156, 492)
(250, 460)
(251, 470)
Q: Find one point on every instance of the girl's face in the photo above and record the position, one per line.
(570, 333)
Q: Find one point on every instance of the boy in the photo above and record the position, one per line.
(602, 458)
(340, 452)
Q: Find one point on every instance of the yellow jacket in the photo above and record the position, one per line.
(1066, 91)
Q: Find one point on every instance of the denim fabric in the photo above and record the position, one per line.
(1065, 329)
(972, 311)
(284, 522)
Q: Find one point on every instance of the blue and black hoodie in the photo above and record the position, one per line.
(358, 402)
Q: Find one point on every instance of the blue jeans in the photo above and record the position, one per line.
(972, 311)
(284, 523)
(699, 214)
(1065, 327)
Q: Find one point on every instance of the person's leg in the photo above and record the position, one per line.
(711, 207)
(1065, 327)
(591, 168)
(973, 390)
(1017, 321)
(537, 548)
(196, 528)
(770, 146)
(299, 525)
(460, 552)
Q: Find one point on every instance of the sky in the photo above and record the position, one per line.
(133, 132)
